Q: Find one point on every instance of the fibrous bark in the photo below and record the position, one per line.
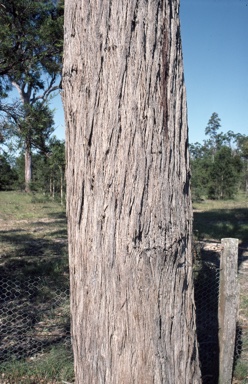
(128, 199)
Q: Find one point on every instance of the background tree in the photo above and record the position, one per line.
(32, 32)
(128, 199)
(211, 131)
(212, 128)
(31, 35)
(56, 162)
(218, 165)
(201, 159)
(242, 147)
(224, 174)
(8, 175)
(32, 128)
(48, 170)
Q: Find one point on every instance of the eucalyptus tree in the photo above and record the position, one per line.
(242, 145)
(28, 128)
(218, 166)
(30, 60)
(128, 195)
(224, 174)
(56, 168)
(213, 126)
(8, 175)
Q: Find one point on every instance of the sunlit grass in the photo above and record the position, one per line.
(21, 206)
(51, 367)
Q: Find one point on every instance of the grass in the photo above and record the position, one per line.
(241, 371)
(33, 254)
(33, 244)
(214, 220)
(222, 218)
(51, 367)
(33, 237)
(23, 206)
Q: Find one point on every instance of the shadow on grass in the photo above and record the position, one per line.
(222, 223)
(34, 286)
(26, 253)
(58, 215)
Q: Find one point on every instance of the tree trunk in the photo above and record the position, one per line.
(128, 199)
(25, 99)
(61, 185)
(28, 166)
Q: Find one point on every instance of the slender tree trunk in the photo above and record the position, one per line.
(28, 166)
(53, 189)
(25, 99)
(246, 176)
(51, 185)
(61, 185)
(128, 199)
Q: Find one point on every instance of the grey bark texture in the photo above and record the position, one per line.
(228, 308)
(128, 199)
(28, 165)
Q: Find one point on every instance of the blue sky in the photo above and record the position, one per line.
(215, 50)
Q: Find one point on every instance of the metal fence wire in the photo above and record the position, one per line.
(34, 315)
(206, 287)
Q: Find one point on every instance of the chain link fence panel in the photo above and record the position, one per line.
(34, 316)
(206, 286)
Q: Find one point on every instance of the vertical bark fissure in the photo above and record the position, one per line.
(81, 205)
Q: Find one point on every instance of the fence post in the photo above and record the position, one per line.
(228, 308)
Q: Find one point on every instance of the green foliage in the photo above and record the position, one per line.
(33, 124)
(31, 38)
(48, 169)
(31, 60)
(213, 127)
(8, 175)
(219, 166)
(224, 174)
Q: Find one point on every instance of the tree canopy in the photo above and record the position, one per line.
(30, 61)
(31, 38)
(219, 165)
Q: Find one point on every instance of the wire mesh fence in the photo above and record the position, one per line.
(241, 347)
(34, 316)
(206, 284)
